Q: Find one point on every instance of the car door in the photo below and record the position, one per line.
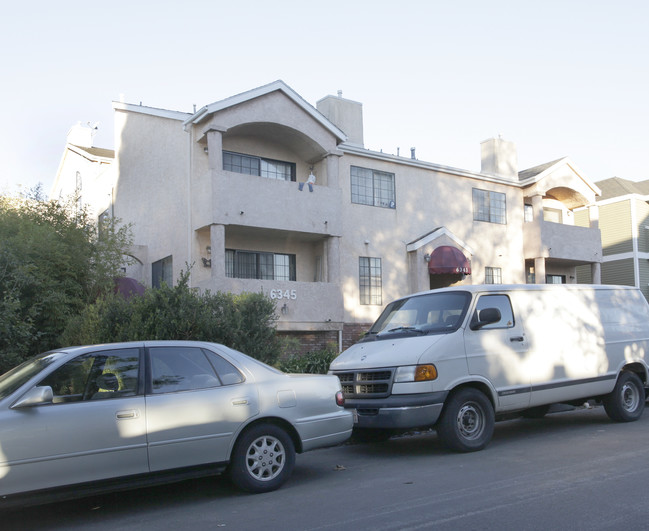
(498, 352)
(93, 429)
(196, 402)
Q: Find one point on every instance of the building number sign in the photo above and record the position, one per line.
(283, 294)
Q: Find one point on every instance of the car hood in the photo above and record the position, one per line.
(386, 353)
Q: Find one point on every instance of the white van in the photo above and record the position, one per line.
(460, 358)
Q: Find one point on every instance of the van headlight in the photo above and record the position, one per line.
(415, 373)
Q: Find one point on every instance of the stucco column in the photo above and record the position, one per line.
(593, 216)
(539, 270)
(333, 260)
(332, 171)
(537, 207)
(217, 242)
(596, 272)
(215, 147)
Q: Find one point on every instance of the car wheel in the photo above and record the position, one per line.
(263, 459)
(467, 422)
(370, 435)
(626, 402)
(537, 412)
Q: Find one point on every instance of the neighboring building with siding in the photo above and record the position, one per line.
(624, 225)
(229, 188)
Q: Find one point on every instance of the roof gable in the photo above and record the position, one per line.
(203, 113)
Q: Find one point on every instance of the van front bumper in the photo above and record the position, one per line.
(397, 411)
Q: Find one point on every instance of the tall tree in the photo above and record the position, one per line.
(54, 260)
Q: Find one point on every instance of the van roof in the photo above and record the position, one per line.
(473, 288)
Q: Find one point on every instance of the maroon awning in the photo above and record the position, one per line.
(128, 287)
(448, 260)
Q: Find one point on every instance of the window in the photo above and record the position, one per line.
(529, 214)
(553, 215)
(489, 206)
(99, 375)
(503, 304)
(374, 188)
(370, 283)
(259, 265)
(493, 275)
(555, 279)
(250, 165)
(189, 368)
(162, 271)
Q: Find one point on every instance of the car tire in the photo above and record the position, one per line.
(467, 421)
(627, 401)
(263, 458)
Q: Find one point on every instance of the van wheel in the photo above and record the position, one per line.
(626, 402)
(467, 422)
(263, 459)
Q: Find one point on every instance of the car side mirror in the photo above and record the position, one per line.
(35, 397)
(485, 317)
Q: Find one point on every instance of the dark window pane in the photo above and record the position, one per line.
(180, 369)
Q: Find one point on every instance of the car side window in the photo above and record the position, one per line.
(227, 372)
(95, 376)
(180, 369)
(503, 304)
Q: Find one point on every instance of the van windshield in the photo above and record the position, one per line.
(422, 314)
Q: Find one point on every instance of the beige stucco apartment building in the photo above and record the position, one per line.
(264, 192)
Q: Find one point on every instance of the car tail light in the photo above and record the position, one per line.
(340, 398)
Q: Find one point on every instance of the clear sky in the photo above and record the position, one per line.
(557, 77)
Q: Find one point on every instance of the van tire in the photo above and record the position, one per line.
(467, 421)
(626, 402)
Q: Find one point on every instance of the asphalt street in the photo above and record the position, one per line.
(570, 470)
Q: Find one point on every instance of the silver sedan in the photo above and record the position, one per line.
(90, 418)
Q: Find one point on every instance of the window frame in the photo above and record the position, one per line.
(489, 206)
(262, 265)
(370, 284)
(258, 168)
(493, 275)
(162, 271)
(381, 196)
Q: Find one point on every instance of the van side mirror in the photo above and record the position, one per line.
(485, 317)
(35, 397)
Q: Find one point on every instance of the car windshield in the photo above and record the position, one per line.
(12, 380)
(423, 314)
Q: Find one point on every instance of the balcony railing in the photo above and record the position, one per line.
(555, 240)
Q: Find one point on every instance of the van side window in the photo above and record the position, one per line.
(501, 302)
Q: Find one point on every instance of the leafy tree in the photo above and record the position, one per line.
(245, 322)
(53, 263)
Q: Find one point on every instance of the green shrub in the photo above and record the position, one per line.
(316, 362)
(245, 322)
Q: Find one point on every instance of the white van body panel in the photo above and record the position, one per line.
(552, 344)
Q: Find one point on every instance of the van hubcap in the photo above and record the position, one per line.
(630, 397)
(470, 421)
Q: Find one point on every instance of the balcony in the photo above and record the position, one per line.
(544, 239)
(299, 305)
(252, 201)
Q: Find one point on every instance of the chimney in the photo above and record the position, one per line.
(81, 135)
(345, 114)
(499, 158)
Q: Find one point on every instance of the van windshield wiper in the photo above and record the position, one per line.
(406, 329)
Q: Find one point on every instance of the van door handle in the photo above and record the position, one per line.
(517, 338)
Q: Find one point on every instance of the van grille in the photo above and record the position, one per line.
(366, 384)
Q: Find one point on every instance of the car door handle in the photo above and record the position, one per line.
(240, 402)
(517, 338)
(127, 414)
